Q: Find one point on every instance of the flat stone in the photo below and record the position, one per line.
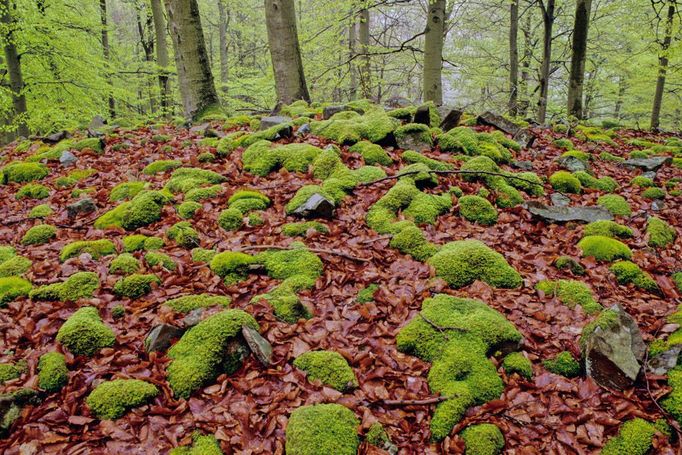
(648, 164)
(665, 361)
(269, 122)
(573, 164)
(193, 318)
(565, 213)
(329, 111)
(523, 165)
(499, 122)
(422, 115)
(451, 119)
(161, 337)
(559, 200)
(657, 205)
(317, 206)
(67, 158)
(81, 207)
(56, 137)
(260, 347)
(613, 356)
(303, 130)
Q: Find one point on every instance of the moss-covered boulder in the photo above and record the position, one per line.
(13, 287)
(21, 172)
(615, 204)
(84, 333)
(322, 429)
(571, 293)
(477, 210)
(263, 157)
(52, 372)
(604, 248)
(39, 234)
(143, 210)
(95, 248)
(608, 228)
(124, 264)
(483, 439)
(627, 272)
(112, 399)
(329, 367)
(518, 363)
(351, 127)
(635, 438)
(14, 266)
(135, 285)
(80, 285)
(660, 234)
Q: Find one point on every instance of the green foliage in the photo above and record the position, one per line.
(135, 285)
(604, 248)
(483, 439)
(516, 362)
(628, 272)
(329, 367)
(95, 248)
(84, 333)
(110, 400)
(52, 372)
(192, 302)
(563, 364)
(13, 287)
(660, 233)
(80, 285)
(478, 210)
(635, 438)
(322, 428)
(615, 204)
(39, 234)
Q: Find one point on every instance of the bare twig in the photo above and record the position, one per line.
(403, 174)
(314, 250)
(424, 402)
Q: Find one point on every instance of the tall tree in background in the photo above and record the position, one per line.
(191, 59)
(579, 49)
(513, 57)
(548, 23)
(222, 40)
(107, 55)
(352, 71)
(365, 68)
(13, 63)
(523, 102)
(280, 18)
(161, 53)
(433, 52)
(663, 61)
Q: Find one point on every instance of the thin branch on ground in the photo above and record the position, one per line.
(314, 250)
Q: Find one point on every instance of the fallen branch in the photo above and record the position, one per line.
(314, 250)
(424, 402)
(403, 174)
(440, 328)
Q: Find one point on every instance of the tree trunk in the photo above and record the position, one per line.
(222, 32)
(579, 49)
(194, 73)
(365, 68)
(16, 80)
(161, 54)
(513, 57)
(662, 67)
(433, 52)
(107, 57)
(548, 22)
(147, 45)
(285, 53)
(352, 39)
(619, 100)
(524, 102)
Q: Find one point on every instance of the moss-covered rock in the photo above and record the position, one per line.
(567, 262)
(411, 156)
(563, 364)
(14, 266)
(660, 233)
(653, 193)
(627, 272)
(112, 399)
(262, 157)
(52, 372)
(411, 240)
(478, 210)
(232, 266)
(565, 182)
(203, 255)
(202, 352)
(462, 262)
(300, 229)
(154, 258)
(322, 429)
(607, 184)
(33, 191)
(231, 219)
(608, 229)
(95, 144)
(184, 234)
(188, 209)
(135, 285)
(126, 190)
(516, 362)
(84, 333)
(350, 127)
(329, 367)
(95, 248)
(642, 182)
(40, 211)
(124, 264)
(571, 293)
(139, 242)
(201, 445)
(366, 295)
(372, 153)
(39, 234)
(673, 402)
(21, 172)
(203, 193)
(80, 285)
(635, 438)
(604, 248)
(615, 204)
(9, 371)
(13, 287)
(186, 179)
(143, 210)
(192, 302)
(483, 439)
(161, 166)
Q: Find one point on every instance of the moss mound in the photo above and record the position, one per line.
(135, 285)
(350, 127)
(124, 264)
(262, 157)
(111, 399)
(371, 153)
(21, 172)
(565, 182)
(483, 439)
(604, 248)
(144, 209)
(608, 229)
(627, 272)
(52, 372)
(201, 445)
(14, 266)
(615, 204)
(660, 233)
(184, 234)
(478, 210)
(80, 285)
(328, 367)
(139, 242)
(322, 428)
(12, 288)
(518, 363)
(635, 438)
(39, 234)
(84, 333)
(571, 293)
(231, 266)
(563, 364)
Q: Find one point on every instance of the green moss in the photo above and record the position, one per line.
(80, 285)
(232, 266)
(462, 262)
(202, 255)
(187, 178)
(328, 367)
(377, 436)
(110, 400)
(95, 248)
(478, 164)
(200, 194)
(660, 233)
(628, 272)
(135, 285)
(563, 143)
(201, 445)
(143, 210)
(571, 293)
(7, 252)
(139, 242)
(126, 190)
(653, 193)
(41, 211)
(608, 229)
(677, 279)
(416, 157)
(84, 333)
(21, 172)
(642, 182)
(343, 128)
(12, 288)
(201, 354)
(563, 364)
(477, 210)
(322, 429)
(565, 182)
(366, 295)
(39, 234)
(605, 320)
(8, 372)
(206, 157)
(154, 258)
(124, 264)
(52, 372)
(673, 402)
(635, 438)
(118, 311)
(161, 166)
(371, 153)
(188, 209)
(246, 205)
(420, 131)
(14, 266)
(300, 229)
(183, 234)
(483, 439)
(518, 363)
(33, 191)
(411, 240)
(262, 158)
(606, 184)
(231, 219)
(615, 204)
(192, 302)
(604, 248)
(92, 143)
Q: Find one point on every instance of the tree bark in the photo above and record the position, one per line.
(194, 72)
(524, 102)
(663, 61)
(222, 35)
(285, 52)
(513, 57)
(107, 56)
(548, 23)
(365, 68)
(161, 54)
(621, 94)
(433, 52)
(579, 49)
(16, 80)
(352, 41)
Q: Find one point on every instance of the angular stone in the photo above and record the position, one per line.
(200, 129)
(94, 133)
(269, 122)
(572, 164)
(523, 165)
(303, 130)
(657, 205)
(422, 115)
(613, 355)
(97, 122)
(525, 138)
(451, 119)
(412, 142)
(81, 207)
(67, 159)
(329, 111)
(499, 122)
(260, 347)
(396, 102)
(665, 361)
(559, 200)
(317, 206)
(650, 175)
(563, 214)
(161, 337)
(236, 352)
(193, 318)
(56, 137)
(653, 163)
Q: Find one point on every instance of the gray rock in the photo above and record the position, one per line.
(303, 130)
(161, 337)
(81, 207)
(573, 164)
(499, 122)
(563, 214)
(200, 129)
(97, 122)
(657, 205)
(665, 361)
(653, 163)
(650, 175)
(67, 159)
(523, 165)
(559, 200)
(260, 347)
(451, 119)
(412, 142)
(525, 138)
(317, 206)
(422, 115)
(193, 318)
(268, 122)
(613, 355)
(329, 111)
(236, 352)
(56, 137)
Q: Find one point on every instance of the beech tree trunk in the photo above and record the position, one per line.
(222, 35)
(579, 49)
(433, 52)
(161, 53)
(352, 41)
(13, 61)
(107, 55)
(513, 57)
(621, 95)
(365, 68)
(663, 61)
(548, 23)
(523, 103)
(194, 71)
(285, 52)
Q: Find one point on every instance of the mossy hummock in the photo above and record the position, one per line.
(232, 266)
(322, 429)
(80, 285)
(563, 364)
(124, 264)
(565, 182)
(201, 445)
(483, 439)
(608, 229)
(84, 333)
(660, 233)
(300, 229)
(184, 234)
(604, 248)
(144, 209)
(13, 287)
(136, 285)
(615, 204)
(52, 372)
(627, 272)
(95, 248)
(139, 242)
(571, 293)
(329, 367)
(518, 363)
(14, 266)
(635, 438)
(477, 210)
(112, 399)
(39, 234)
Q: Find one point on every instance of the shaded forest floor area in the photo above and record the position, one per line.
(247, 411)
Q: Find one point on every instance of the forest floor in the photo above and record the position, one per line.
(248, 410)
